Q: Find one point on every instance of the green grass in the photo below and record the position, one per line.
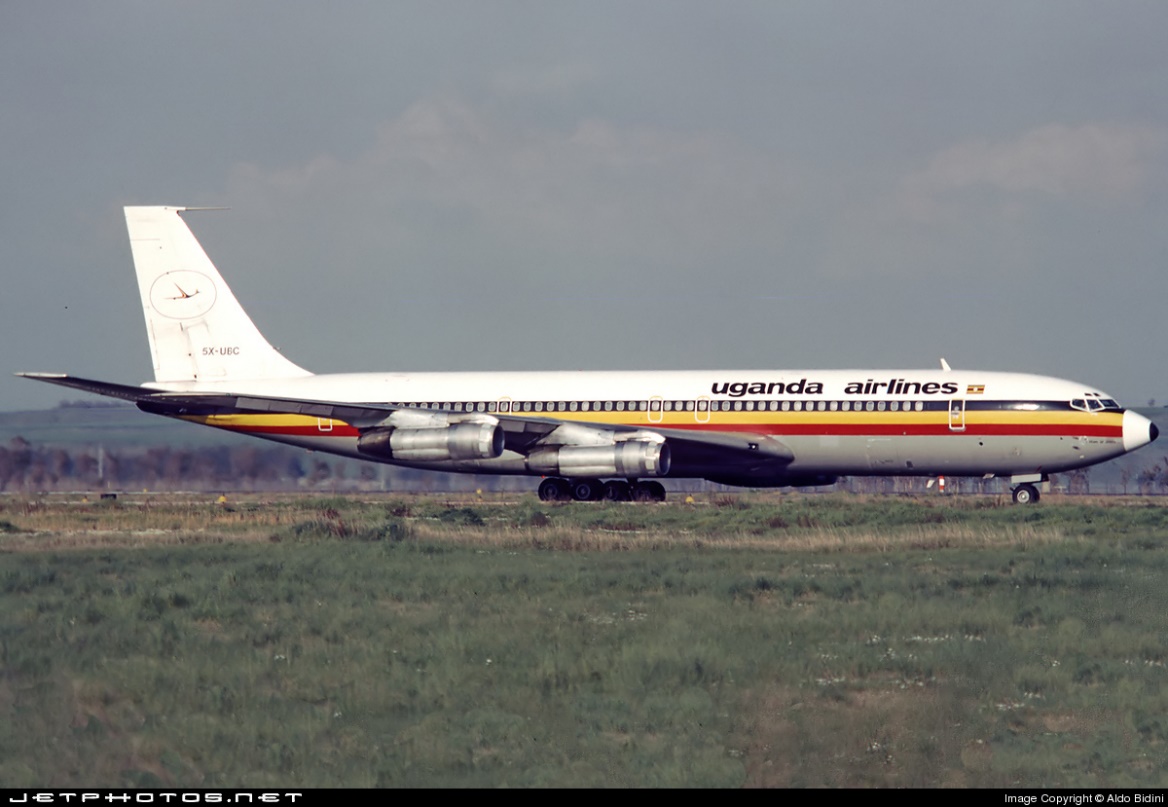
(804, 642)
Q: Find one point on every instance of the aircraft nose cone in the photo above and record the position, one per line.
(1137, 431)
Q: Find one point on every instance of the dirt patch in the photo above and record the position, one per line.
(872, 737)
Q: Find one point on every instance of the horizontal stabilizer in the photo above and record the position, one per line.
(106, 388)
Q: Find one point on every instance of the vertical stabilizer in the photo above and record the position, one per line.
(198, 330)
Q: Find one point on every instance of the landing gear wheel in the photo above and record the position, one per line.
(587, 490)
(649, 492)
(1026, 494)
(617, 490)
(554, 490)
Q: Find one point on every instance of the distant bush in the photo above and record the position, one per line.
(395, 530)
(316, 529)
(463, 516)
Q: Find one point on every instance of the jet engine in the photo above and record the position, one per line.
(631, 458)
(459, 441)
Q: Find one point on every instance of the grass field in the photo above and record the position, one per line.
(746, 640)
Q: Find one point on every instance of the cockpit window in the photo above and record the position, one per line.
(1094, 402)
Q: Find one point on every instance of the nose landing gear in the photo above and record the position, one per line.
(1025, 494)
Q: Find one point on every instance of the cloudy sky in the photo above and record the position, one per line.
(598, 185)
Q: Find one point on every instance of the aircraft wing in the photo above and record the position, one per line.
(161, 402)
(741, 452)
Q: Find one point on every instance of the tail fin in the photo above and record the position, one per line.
(198, 330)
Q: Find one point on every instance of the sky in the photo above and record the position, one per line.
(490, 185)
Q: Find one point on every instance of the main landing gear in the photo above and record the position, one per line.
(592, 490)
(1026, 494)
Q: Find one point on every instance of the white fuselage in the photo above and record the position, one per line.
(884, 422)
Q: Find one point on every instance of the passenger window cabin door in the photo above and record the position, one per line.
(702, 410)
(655, 409)
(957, 415)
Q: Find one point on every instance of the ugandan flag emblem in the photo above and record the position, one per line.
(975, 389)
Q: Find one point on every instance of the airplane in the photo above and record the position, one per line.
(601, 435)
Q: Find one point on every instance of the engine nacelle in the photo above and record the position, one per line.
(461, 441)
(632, 458)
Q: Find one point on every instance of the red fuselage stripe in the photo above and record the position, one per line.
(779, 430)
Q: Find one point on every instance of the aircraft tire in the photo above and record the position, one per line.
(554, 490)
(649, 492)
(617, 490)
(1026, 494)
(587, 490)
